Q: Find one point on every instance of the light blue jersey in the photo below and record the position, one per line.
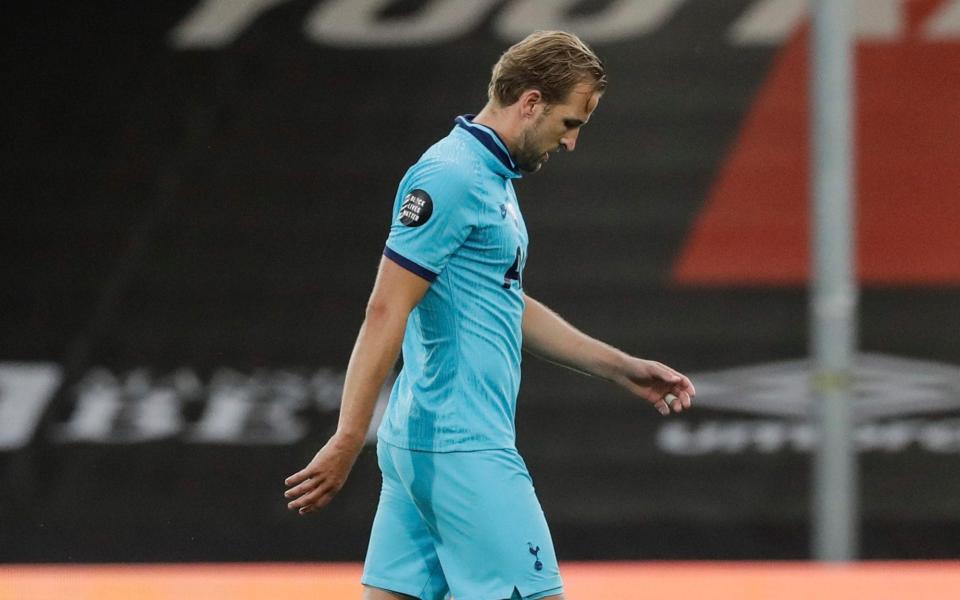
(458, 512)
(457, 224)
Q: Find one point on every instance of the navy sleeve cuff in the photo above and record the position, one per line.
(409, 265)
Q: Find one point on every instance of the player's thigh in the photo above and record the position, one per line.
(492, 536)
(550, 597)
(401, 557)
(371, 593)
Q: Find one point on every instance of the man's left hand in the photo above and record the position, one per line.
(658, 384)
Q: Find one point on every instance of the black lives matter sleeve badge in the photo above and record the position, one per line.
(416, 209)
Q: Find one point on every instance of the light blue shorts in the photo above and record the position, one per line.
(462, 523)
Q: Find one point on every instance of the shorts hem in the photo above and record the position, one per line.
(545, 593)
(391, 585)
(550, 588)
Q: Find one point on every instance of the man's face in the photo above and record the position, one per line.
(556, 127)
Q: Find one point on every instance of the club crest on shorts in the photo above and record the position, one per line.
(416, 208)
(535, 552)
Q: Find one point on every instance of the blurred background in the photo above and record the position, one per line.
(197, 193)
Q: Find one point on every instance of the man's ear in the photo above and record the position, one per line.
(529, 102)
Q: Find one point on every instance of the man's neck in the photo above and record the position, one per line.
(503, 122)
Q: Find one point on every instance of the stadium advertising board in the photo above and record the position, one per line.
(203, 191)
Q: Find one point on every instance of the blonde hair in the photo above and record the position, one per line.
(552, 62)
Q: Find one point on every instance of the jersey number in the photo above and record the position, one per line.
(513, 273)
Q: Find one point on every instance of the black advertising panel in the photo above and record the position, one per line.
(198, 192)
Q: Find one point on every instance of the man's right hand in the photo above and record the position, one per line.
(315, 485)
(395, 293)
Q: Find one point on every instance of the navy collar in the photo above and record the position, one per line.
(492, 142)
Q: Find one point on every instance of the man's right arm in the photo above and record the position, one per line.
(395, 293)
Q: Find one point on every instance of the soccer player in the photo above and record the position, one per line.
(458, 513)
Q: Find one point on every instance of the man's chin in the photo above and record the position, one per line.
(533, 166)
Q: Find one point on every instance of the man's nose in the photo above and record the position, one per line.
(569, 141)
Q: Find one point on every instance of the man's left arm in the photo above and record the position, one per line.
(547, 335)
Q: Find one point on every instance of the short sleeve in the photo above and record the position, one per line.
(434, 214)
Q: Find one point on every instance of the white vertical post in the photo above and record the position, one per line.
(833, 300)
